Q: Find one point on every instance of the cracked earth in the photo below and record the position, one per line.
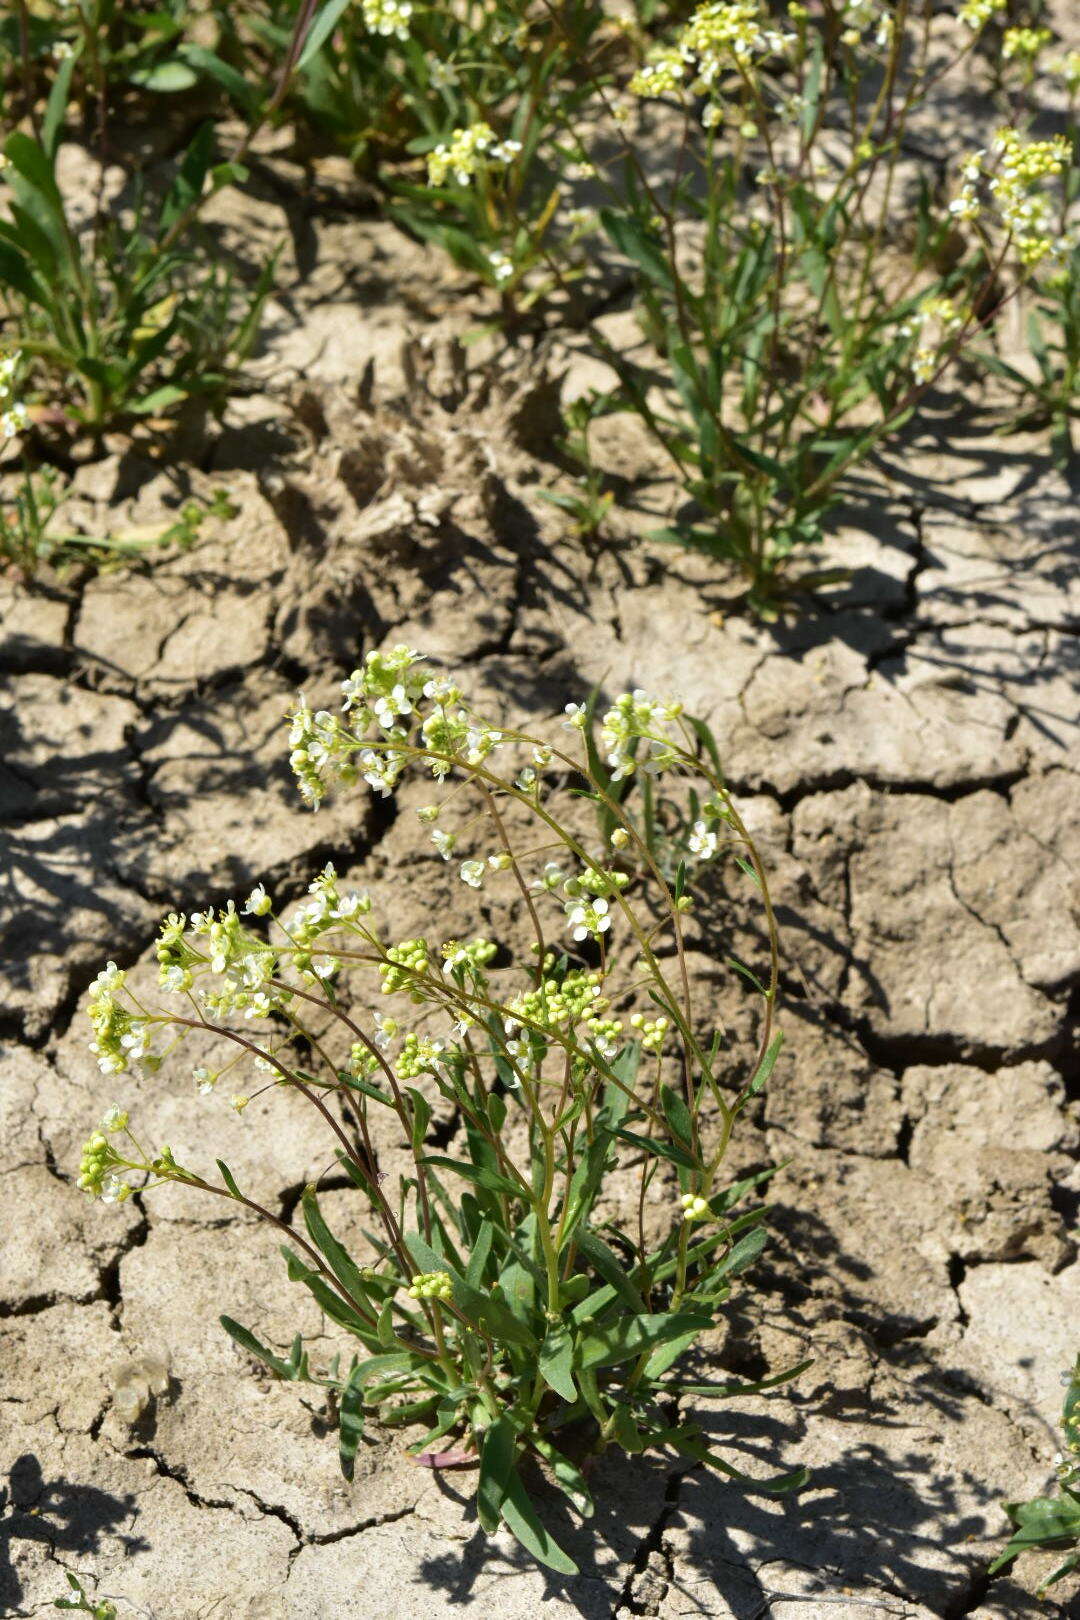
(908, 755)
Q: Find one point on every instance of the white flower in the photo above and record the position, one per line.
(587, 921)
(16, 419)
(258, 902)
(352, 905)
(472, 873)
(444, 842)
(703, 842)
(441, 75)
(385, 1030)
(502, 268)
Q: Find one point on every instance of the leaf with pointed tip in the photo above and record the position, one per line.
(496, 1465)
(520, 1518)
(557, 1361)
(351, 1422)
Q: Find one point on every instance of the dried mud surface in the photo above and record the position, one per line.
(908, 753)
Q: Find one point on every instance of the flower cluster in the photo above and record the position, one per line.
(720, 35)
(404, 963)
(1068, 66)
(587, 919)
(977, 13)
(635, 718)
(935, 322)
(14, 416)
(99, 1158)
(390, 18)
(119, 1037)
(650, 1031)
(694, 1207)
(328, 908)
(467, 153)
(1024, 44)
(419, 1054)
(431, 1285)
(1015, 183)
(562, 1005)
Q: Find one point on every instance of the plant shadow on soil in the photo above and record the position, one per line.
(61, 1514)
(866, 1516)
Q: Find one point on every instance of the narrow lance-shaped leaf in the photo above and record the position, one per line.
(557, 1361)
(351, 1422)
(496, 1465)
(520, 1518)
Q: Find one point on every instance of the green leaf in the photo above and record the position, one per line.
(663, 1150)
(336, 1256)
(668, 1354)
(351, 1421)
(421, 1117)
(677, 1115)
(158, 400)
(328, 1299)
(479, 1175)
(481, 1252)
(384, 1327)
(688, 1441)
(15, 274)
(766, 1066)
(744, 1253)
(32, 163)
(557, 1361)
(730, 1391)
(187, 189)
(166, 77)
(496, 1466)
(247, 1341)
(521, 1520)
(53, 123)
(629, 1336)
(1042, 1522)
(632, 239)
(325, 22)
(627, 1432)
(606, 1264)
(228, 1178)
(567, 1476)
(233, 83)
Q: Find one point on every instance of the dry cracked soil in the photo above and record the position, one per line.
(907, 752)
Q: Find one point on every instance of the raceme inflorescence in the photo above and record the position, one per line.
(544, 1256)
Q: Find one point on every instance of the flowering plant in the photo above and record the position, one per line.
(461, 113)
(1053, 1521)
(800, 329)
(103, 1610)
(518, 1314)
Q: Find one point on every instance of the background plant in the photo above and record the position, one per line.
(501, 1308)
(1053, 1521)
(1051, 385)
(795, 338)
(481, 94)
(30, 539)
(102, 1610)
(130, 315)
